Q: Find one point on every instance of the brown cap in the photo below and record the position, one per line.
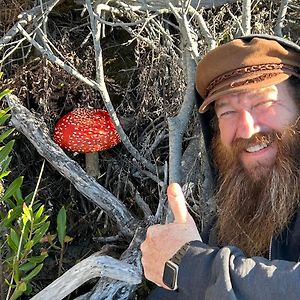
(240, 66)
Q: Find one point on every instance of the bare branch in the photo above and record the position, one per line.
(241, 29)
(246, 17)
(281, 17)
(157, 5)
(27, 17)
(140, 201)
(14, 47)
(91, 267)
(203, 28)
(178, 124)
(112, 289)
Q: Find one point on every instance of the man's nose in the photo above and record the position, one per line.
(247, 125)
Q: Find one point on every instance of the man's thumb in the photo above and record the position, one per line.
(177, 203)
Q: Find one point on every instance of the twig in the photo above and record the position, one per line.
(45, 18)
(25, 18)
(14, 30)
(281, 17)
(162, 196)
(11, 51)
(34, 129)
(203, 28)
(109, 239)
(237, 21)
(140, 201)
(49, 46)
(162, 31)
(160, 136)
(153, 177)
(49, 55)
(118, 24)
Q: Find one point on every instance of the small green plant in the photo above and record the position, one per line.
(60, 237)
(27, 230)
(23, 224)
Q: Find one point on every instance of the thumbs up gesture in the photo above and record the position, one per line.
(163, 241)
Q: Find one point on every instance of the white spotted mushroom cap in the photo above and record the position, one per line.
(86, 130)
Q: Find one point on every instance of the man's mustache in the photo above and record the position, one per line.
(241, 144)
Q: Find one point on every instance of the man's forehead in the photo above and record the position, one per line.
(250, 95)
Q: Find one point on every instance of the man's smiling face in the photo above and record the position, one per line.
(248, 122)
(256, 152)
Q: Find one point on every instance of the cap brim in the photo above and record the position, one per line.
(238, 87)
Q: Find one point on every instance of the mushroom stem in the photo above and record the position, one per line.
(92, 164)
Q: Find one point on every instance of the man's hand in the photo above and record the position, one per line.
(163, 241)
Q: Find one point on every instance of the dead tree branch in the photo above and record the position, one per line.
(177, 124)
(159, 5)
(281, 17)
(246, 17)
(91, 267)
(111, 289)
(33, 14)
(203, 28)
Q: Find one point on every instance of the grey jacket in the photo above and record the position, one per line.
(208, 272)
(212, 273)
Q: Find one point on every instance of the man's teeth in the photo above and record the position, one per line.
(256, 147)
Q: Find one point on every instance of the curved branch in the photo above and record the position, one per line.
(112, 289)
(160, 5)
(91, 267)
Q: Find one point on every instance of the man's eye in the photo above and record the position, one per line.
(264, 104)
(226, 113)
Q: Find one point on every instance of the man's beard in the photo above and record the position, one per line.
(254, 205)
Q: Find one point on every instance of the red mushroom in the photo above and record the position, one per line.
(86, 130)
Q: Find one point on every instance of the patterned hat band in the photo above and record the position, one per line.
(266, 71)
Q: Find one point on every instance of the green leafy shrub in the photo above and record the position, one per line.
(23, 224)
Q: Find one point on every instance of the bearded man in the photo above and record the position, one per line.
(251, 248)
